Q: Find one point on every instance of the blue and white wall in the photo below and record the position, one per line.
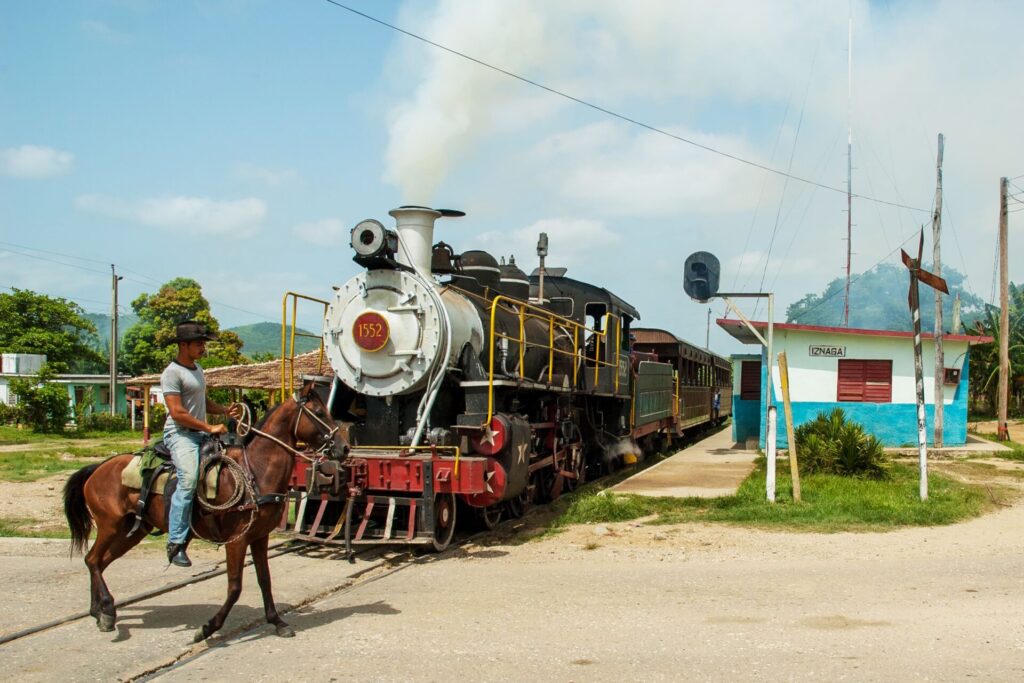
(813, 386)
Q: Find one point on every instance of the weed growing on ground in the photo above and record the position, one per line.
(830, 503)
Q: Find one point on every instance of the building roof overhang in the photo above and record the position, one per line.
(742, 333)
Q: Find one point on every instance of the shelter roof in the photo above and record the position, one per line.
(740, 331)
(255, 375)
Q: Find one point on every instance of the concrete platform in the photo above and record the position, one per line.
(976, 447)
(711, 468)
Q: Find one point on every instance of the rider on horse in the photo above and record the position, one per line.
(184, 390)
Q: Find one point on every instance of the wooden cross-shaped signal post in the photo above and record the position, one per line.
(913, 299)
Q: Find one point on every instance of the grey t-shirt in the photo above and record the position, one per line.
(190, 385)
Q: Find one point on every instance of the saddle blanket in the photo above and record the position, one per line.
(131, 478)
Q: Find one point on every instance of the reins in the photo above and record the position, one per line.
(245, 485)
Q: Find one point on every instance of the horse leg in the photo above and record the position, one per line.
(102, 604)
(235, 552)
(262, 565)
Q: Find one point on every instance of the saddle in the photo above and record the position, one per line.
(152, 471)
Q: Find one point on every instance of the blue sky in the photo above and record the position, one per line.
(238, 142)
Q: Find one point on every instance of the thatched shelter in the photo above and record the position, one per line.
(271, 376)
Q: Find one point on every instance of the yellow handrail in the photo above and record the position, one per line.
(288, 341)
(521, 309)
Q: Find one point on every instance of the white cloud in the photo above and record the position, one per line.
(612, 169)
(329, 232)
(196, 215)
(32, 162)
(266, 176)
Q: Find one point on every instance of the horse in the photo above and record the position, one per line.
(95, 493)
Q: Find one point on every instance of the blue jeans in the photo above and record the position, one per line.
(184, 447)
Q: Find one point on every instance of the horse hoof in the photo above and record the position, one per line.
(285, 631)
(201, 634)
(105, 622)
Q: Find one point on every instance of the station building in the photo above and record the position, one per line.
(867, 373)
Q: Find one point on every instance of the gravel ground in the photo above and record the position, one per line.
(623, 601)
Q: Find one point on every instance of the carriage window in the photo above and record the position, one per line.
(561, 305)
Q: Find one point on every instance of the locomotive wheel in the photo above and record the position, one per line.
(518, 506)
(489, 516)
(444, 520)
(580, 470)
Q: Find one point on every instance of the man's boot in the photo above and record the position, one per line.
(176, 555)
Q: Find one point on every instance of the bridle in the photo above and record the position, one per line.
(325, 431)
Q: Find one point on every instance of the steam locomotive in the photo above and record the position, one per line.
(464, 384)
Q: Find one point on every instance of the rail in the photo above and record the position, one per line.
(288, 340)
(527, 311)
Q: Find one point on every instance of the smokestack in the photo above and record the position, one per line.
(415, 227)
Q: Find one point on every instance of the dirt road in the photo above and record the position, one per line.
(597, 603)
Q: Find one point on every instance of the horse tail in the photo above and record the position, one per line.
(79, 519)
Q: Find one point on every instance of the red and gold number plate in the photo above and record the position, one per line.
(371, 331)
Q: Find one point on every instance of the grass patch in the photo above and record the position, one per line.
(30, 465)
(21, 527)
(1016, 454)
(831, 503)
(11, 435)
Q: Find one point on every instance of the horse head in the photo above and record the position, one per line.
(314, 424)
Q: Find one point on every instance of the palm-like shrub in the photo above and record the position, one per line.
(832, 444)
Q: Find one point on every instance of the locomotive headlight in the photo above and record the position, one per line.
(369, 237)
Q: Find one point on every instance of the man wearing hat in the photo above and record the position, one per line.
(184, 390)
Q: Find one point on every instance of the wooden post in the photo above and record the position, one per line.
(937, 270)
(145, 414)
(922, 437)
(1004, 317)
(790, 432)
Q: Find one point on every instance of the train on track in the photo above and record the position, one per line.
(464, 384)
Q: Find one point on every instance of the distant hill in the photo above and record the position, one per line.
(102, 323)
(266, 337)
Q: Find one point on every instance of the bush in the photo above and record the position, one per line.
(157, 417)
(42, 405)
(831, 444)
(104, 422)
(9, 414)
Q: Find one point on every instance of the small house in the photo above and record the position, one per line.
(867, 373)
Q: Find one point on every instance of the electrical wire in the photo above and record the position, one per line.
(854, 280)
(614, 114)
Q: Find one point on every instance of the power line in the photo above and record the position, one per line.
(614, 114)
(854, 281)
(260, 316)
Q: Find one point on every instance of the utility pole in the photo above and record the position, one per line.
(849, 168)
(707, 335)
(1004, 316)
(113, 340)
(940, 372)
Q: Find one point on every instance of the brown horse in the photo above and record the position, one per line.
(96, 493)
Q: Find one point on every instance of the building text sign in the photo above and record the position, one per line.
(826, 351)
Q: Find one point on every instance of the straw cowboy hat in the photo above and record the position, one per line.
(190, 330)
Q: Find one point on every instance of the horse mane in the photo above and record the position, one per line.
(259, 425)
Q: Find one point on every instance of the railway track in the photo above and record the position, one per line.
(276, 550)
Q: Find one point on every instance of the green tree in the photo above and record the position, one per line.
(878, 300)
(985, 358)
(147, 345)
(43, 404)
(36, 323)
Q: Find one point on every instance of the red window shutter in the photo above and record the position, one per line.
(867, 381)
(750, 380)
(878, 381)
